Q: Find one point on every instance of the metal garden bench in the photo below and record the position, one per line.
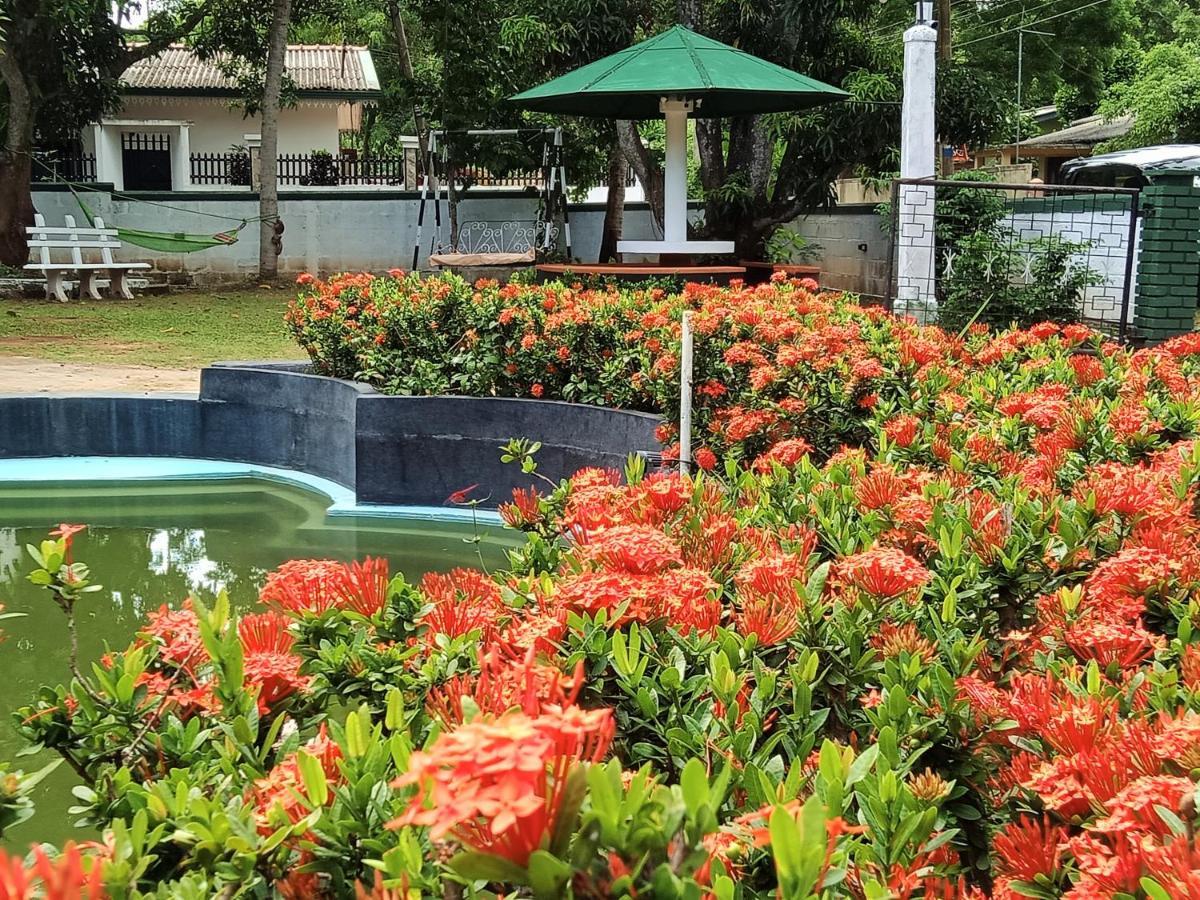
(72, 241)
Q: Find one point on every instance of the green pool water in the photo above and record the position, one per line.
(150, 543)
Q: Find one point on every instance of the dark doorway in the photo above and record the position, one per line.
(146, 161)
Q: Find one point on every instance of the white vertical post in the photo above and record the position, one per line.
(108, 155)
(918, 159)
(685, 394)
(181, 159)
(675, 169)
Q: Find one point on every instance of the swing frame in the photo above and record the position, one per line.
(552, 195)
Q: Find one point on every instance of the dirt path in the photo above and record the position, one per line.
(29, 375)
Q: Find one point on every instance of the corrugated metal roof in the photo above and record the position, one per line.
(1085, 132)
(315, 68)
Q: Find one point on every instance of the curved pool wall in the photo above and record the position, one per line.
(387, 450)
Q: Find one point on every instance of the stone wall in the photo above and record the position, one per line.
(853, 248)
(389, 450)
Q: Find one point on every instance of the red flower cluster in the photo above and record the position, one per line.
(69, 876)
(313, 586)
(186, 684)
(498, 786)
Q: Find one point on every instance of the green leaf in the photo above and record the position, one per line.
(816, 582)
(316, 786)
(573, 793)
(1173, 821)
(694, 783)
(548, 875)
(1154, 890)
(476, 866)
(394, 718)
(862, 765)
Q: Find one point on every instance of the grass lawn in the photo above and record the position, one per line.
(167, 331)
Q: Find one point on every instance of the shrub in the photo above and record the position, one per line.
(322, 170)
(772, 362)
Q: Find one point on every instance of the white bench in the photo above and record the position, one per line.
(44, 238)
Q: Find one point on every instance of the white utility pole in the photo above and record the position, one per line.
(918, 159)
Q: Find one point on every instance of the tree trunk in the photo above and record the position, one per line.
(268, 189)
(614, 206)
(648, 172)
(406, 67)
(368, 127)
(16, 164)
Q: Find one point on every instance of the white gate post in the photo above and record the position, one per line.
(918, 159)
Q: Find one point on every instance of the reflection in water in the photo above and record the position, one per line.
(155, 543)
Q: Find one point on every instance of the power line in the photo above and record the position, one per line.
(1027, 25)
(888, 30)
(885, 32)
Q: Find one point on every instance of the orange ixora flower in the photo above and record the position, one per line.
(498, 786)
(461, 601)
(1028, 848)
(885, 573)
(525, 509)
(786, 453)
(638, 549)
(281, 790)
(269, 661)
(314, 586)
(504, 684)
(66, 533)
(177, 633)
(68, 876)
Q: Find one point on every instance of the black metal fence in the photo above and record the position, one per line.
(54, 166)
(967, 252)
(310, 169)
(220, 168)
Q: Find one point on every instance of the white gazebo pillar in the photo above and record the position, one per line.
(675, 196)
(675, 191)
(918, 159)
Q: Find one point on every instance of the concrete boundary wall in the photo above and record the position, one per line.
(853, 247)
(389, 450)
(345, 231)
(325, 232)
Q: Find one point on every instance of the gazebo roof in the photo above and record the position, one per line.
(682, 64)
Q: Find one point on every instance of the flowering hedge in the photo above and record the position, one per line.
(956, 661)
(772, 362)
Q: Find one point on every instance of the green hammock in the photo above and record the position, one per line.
(167, 242)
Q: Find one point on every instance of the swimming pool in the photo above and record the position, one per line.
(157, 540)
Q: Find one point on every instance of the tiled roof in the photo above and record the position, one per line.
(315, 68)
(1085, 132)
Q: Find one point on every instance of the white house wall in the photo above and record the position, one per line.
(310, 125)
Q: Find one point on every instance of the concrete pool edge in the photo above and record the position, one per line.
(388, 450)
(342, 502)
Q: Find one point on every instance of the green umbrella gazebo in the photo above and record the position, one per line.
(673, 75)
